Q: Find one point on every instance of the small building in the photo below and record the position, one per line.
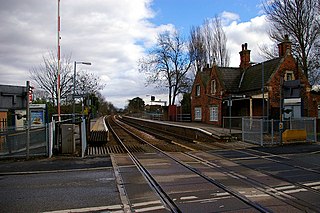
(253, 89)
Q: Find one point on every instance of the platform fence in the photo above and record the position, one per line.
(268, 132)
(13, 142)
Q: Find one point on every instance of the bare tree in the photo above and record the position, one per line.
(87, 83)
(208, 43)
(300, 20)
(197, 47)
(45, 75)
(167, 64)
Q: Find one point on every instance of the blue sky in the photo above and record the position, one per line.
(186, 13)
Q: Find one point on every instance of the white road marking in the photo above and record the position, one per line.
(146, 203)
(312, 183)
(113, 208)
(188, 198)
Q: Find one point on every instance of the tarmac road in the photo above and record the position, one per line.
(58, 184)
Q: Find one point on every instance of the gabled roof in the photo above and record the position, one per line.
(252, 79)
(204, 76)
(238, 80)
(230, 78)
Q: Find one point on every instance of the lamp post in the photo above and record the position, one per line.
(74, 85)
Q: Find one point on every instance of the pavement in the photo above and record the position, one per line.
(55, 164)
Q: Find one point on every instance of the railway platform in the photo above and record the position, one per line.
(207, 129)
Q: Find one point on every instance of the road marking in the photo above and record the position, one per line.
(146, 203)
(157, 206)
(312, 183)
(54, 171)
(149, 209)
(284, 187)
(188, 198)
(113, 208)
(295, 191)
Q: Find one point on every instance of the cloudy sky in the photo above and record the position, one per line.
(114, 34)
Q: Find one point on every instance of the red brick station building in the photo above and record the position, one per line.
(254, 88)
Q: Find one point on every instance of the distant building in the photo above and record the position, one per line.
(253, 89)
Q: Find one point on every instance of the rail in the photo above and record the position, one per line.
(164, 197)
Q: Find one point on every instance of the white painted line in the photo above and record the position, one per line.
(312, 183)
(188, 198)
(295, 191)
(148, 209)
(146, 203)
(284, 187)
(113, 208)
(54, 171)
(258, 195)
(221, 194)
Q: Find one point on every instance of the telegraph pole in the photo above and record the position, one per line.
(59, 65)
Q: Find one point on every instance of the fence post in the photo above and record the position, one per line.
(272, 135)
(51, 138)
(315, 129)
(83, 137)
(242, 129)
(261, 132)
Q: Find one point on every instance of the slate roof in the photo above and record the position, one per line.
(237, 80)
(205, 76)
(252, 79)
(230, 78)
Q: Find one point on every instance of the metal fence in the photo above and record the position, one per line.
(267, 132)
(235, 122)
(13, 142)
(184, 117)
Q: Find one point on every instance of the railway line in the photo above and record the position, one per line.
(192, 180)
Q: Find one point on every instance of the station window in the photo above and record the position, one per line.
(214, 113)
(213, 87)
(197, 113)
(197, 90)
(289, 76)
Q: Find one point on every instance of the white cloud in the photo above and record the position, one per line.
(253, 32)
(110, 34)
(228, 17)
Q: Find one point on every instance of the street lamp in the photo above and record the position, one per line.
(74, 85)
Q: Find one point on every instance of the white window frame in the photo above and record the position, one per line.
(197, 113)
(287, 74)
(198, 90)
(214, 113)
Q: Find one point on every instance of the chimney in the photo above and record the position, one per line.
(244, 56)
(284, 46)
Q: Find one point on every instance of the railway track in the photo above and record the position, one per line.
(310, 183)
(276, 196)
